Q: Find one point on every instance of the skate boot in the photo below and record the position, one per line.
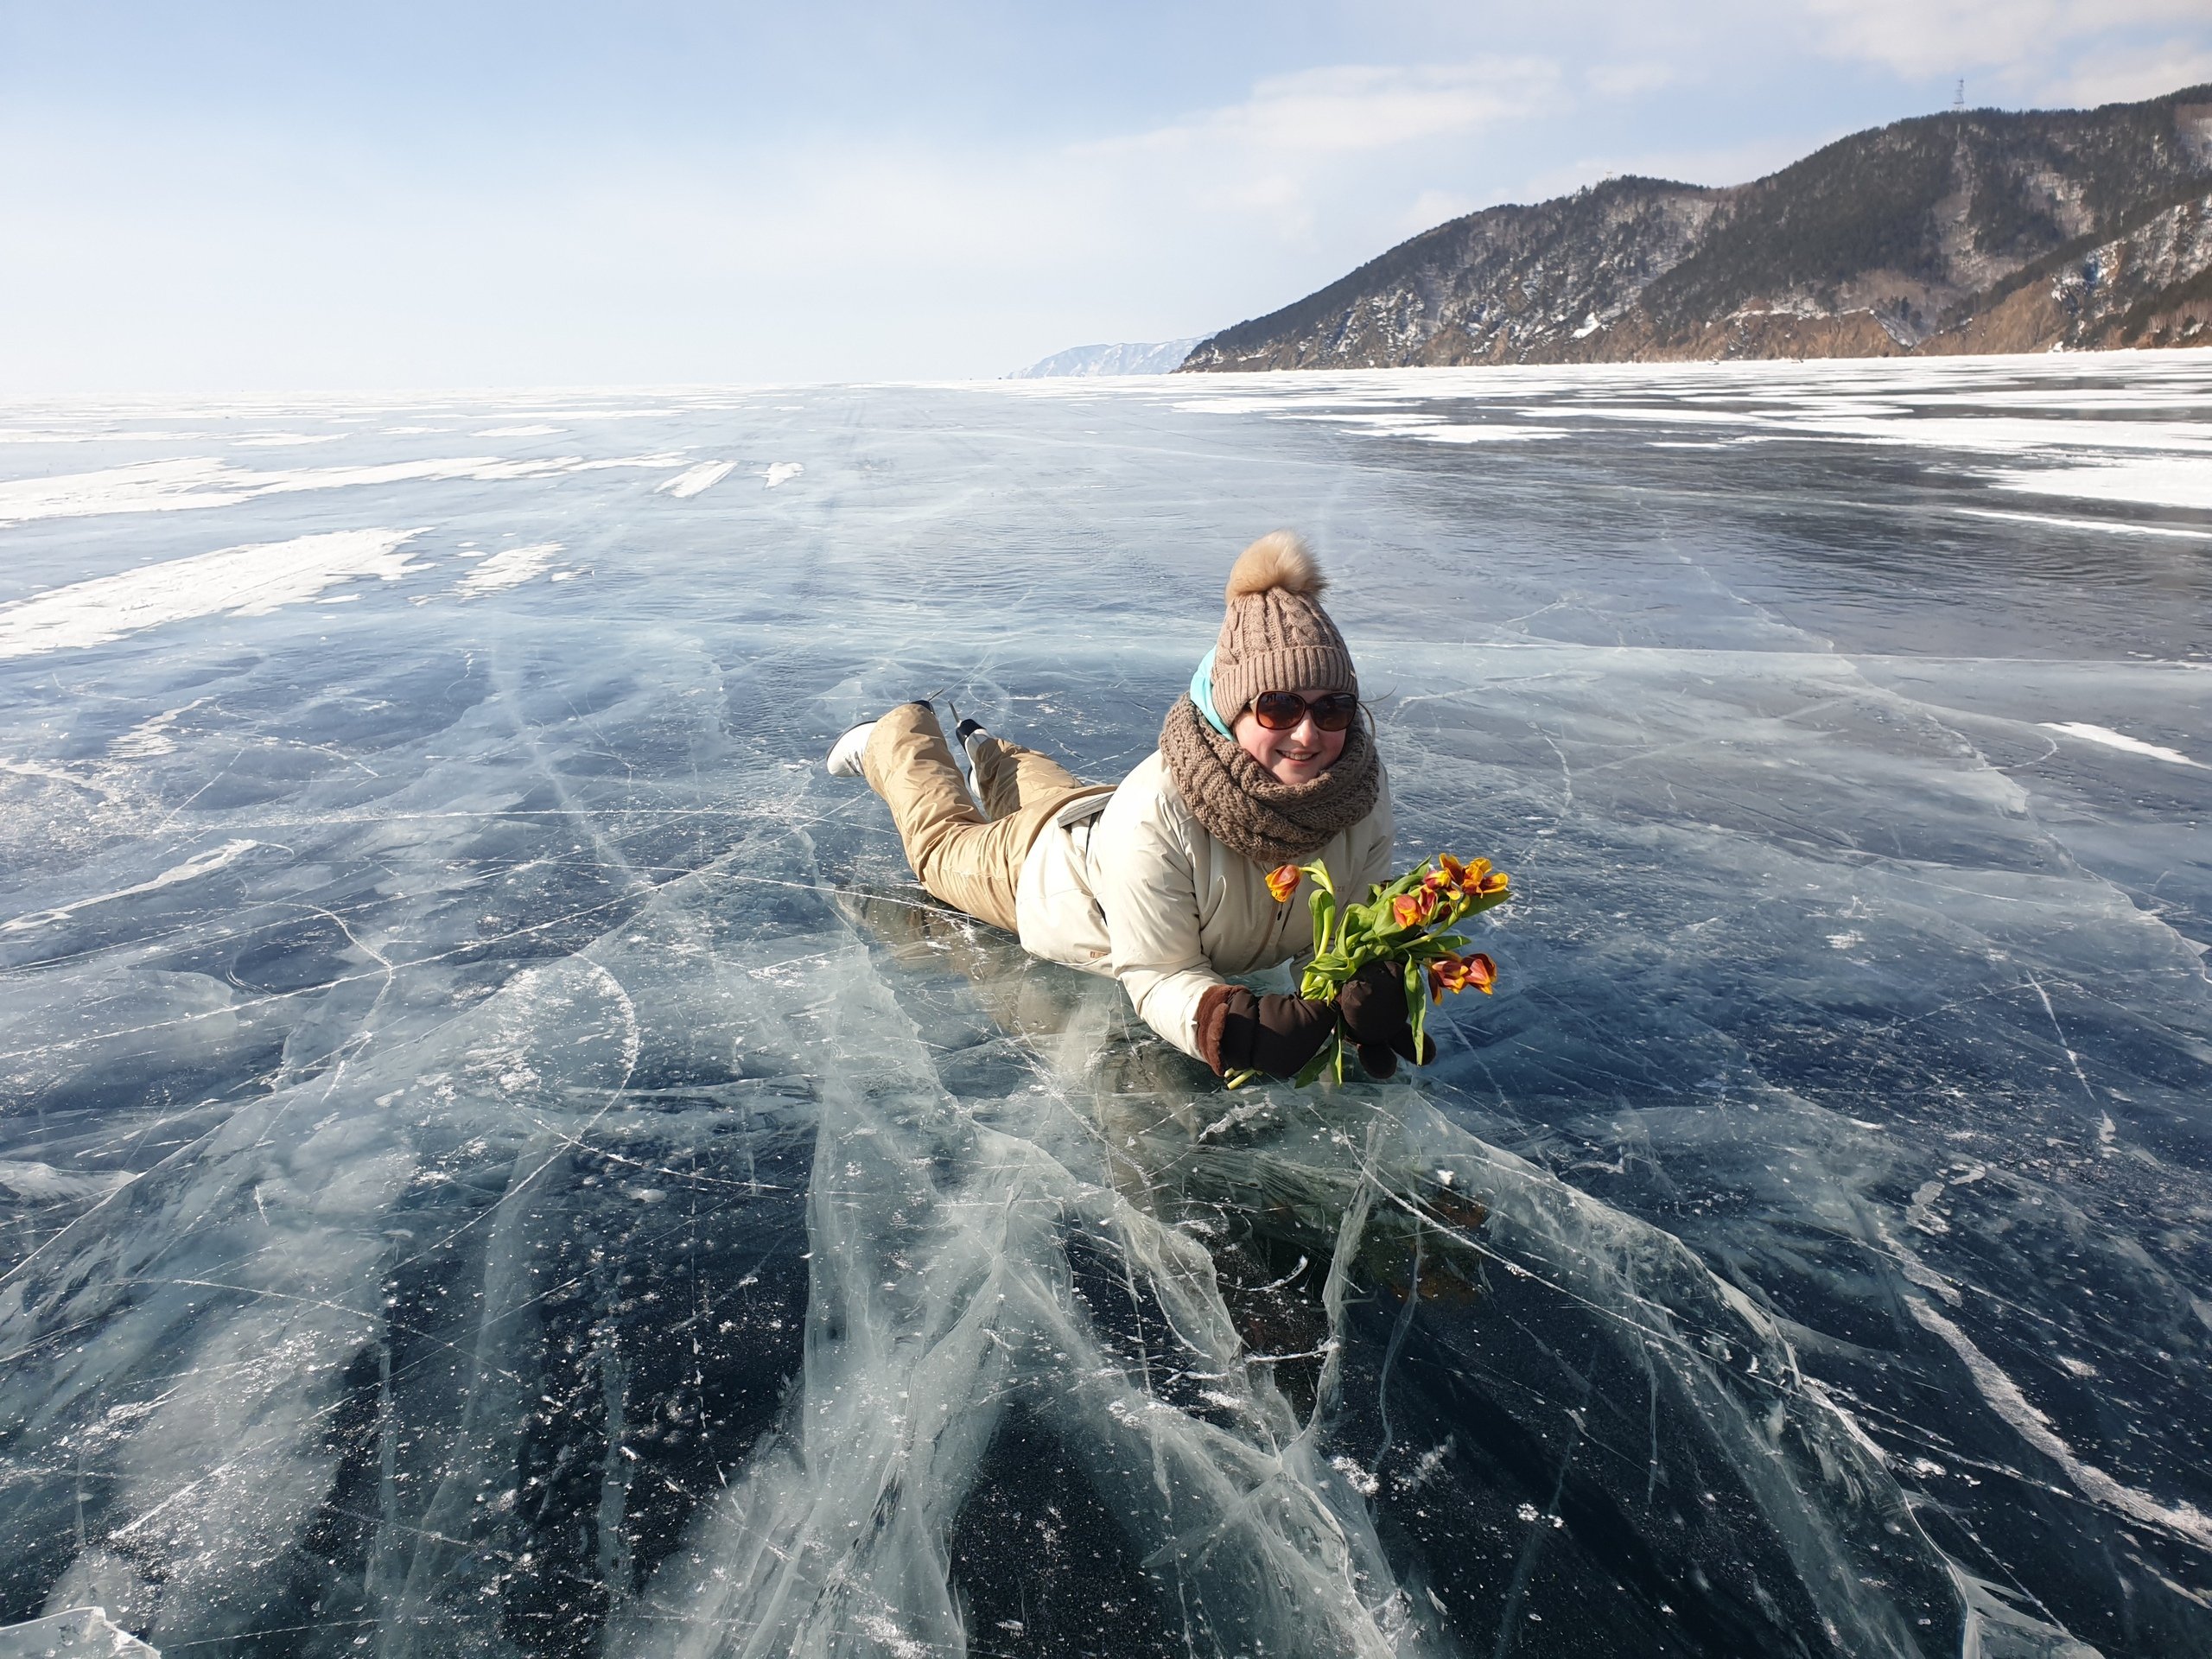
(969, 732)
(845, 754)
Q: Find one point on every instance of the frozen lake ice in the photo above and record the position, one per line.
(499, 1158)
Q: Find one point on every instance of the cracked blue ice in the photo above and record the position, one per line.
(500, 1158)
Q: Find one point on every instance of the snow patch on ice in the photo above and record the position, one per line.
(510, 567)
(250, 581)
(1357, 1477)
(705, 476)
(782, 472)
(1485, 434)
(893, 1639)
(77, 1632)
(148, 486)
(517, 432)
(92, 435)
(169, 485)
(2165, 482)
(2114, 526)
(2121, 740)
(192, 869)
(2003, 1397)
(38, 1182)
(153, 737)
(571, 464)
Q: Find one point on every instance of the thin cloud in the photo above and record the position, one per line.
(1350, 109)
(2122, 77)
(2023, 42)
(1627, 79)
(1292, 158)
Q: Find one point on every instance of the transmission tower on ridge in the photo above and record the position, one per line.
(1959, 98)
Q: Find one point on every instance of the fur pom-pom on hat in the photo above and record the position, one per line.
(1275, 636)
(1278, 559)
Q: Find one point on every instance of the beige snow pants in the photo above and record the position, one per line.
(971, 860)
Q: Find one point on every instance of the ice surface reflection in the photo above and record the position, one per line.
(499, 1158)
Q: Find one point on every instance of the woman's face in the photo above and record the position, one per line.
(1297, 756)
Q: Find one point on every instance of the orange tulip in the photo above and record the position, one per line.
(1476, 879)
(1410, 909)
(1455, 974)
(1283, 881)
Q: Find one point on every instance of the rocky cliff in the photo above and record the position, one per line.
(1980, 231)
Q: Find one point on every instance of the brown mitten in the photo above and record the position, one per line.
(1239, 1032)
(1373, 1004)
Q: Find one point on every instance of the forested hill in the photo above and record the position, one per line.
(1976, 230)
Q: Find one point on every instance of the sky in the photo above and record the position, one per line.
(215, 197)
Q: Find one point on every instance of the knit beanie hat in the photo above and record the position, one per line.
(1276, 636)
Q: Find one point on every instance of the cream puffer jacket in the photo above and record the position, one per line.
(1130, 884)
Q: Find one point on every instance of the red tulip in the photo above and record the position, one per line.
(1283, 881)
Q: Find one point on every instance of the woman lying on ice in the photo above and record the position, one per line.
(1161, 880)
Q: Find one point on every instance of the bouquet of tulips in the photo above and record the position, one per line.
(1407, 924)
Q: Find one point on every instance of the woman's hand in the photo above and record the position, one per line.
(1239, 1032)
(1373, 1004)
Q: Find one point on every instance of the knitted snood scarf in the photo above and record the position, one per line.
(1242, 807)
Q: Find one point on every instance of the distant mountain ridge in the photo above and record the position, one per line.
(1977, 231)
(1129, 357)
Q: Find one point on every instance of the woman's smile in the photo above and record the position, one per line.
(1298, 755)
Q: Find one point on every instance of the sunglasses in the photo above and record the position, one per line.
(1282, 711)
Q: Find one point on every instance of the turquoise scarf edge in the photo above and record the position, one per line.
(1202, 694)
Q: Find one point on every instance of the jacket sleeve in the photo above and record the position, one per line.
(1148, 890)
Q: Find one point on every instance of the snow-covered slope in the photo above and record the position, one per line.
(1128, 357)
